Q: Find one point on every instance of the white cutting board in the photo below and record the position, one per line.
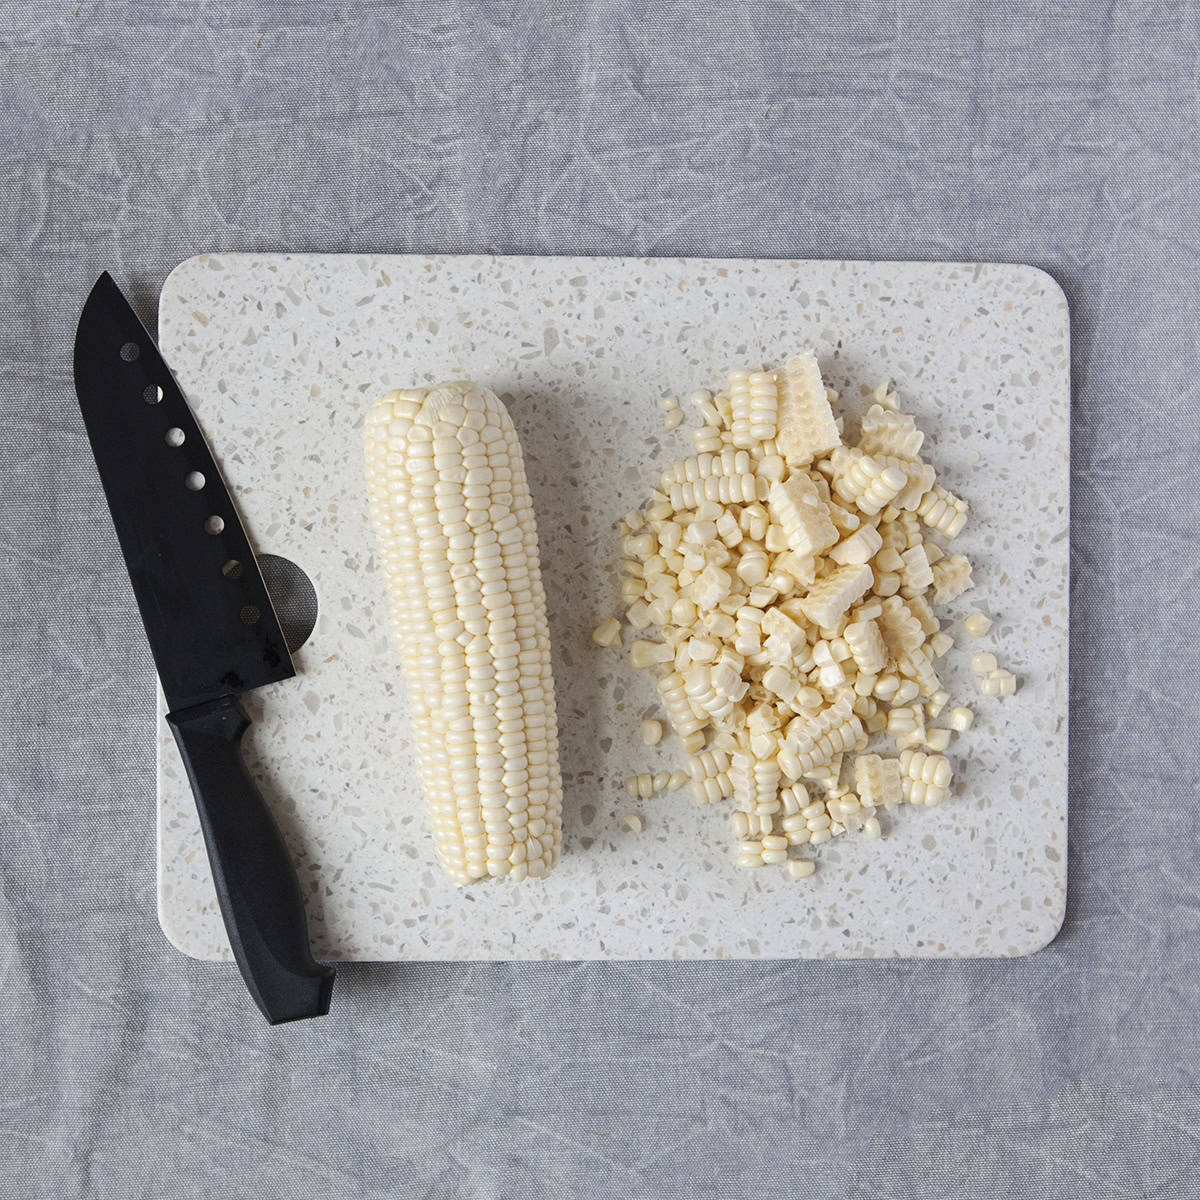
(280, 357)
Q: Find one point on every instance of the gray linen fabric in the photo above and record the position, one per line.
(135, 134)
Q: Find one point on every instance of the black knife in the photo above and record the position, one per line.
(212, 631)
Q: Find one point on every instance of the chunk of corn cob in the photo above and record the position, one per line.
(890, 433)
(458, 543)
(806, 427)
(951, 577)
(943, 511)
(796, 506)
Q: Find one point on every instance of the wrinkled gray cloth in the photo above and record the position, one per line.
(136, 134)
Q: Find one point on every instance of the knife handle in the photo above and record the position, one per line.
(257, 887)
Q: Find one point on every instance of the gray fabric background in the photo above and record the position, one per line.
(135, 134)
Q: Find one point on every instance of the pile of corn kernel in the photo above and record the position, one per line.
(780, 582)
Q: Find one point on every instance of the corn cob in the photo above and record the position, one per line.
(458, 543)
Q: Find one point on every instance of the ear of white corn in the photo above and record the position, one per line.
(458, 544)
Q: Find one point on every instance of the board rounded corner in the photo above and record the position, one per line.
(1052, 287)
(179, 939)
(175, 280)
(1044, 935)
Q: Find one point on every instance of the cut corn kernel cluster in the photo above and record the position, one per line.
(781, 580)
(457, 538)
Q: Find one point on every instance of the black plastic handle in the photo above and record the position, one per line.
(257, 886)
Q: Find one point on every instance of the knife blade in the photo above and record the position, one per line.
(212, 631)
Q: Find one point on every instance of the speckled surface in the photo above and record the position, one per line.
(280, 357)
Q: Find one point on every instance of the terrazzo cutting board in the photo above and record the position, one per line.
(281, 356)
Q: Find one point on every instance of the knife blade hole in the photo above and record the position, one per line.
(175, 437)
(153, 394)
(232, 569)
(293, 598)
(130, 352)
(194, 481)
(214, 525)
(251, 614)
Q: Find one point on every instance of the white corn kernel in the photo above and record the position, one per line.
(938, 740)
(977, 624)
(607, 633)
(652, 732)
(801, 868)
(632, 822)
(648, 654)
(983, 663)
(961, 719)
(940, 644)
(1005, 683)
(638, 615)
